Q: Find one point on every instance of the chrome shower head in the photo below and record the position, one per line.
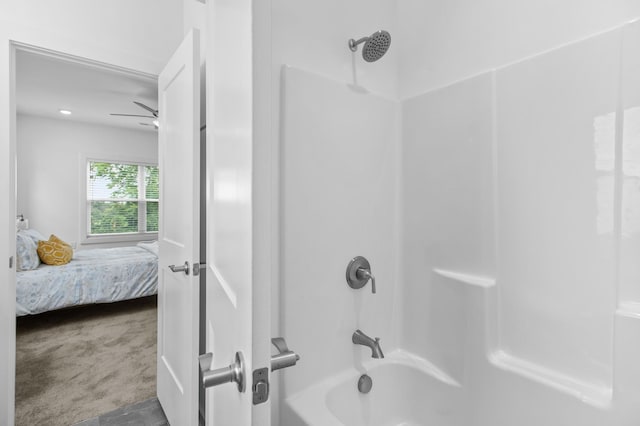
(374, 47)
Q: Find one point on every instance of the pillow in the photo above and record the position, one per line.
(55, 239)
(26, 252)
(54, 253)
(35, 235)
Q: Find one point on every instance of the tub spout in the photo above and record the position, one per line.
(359, 338)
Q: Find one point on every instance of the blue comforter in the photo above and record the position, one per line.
(92, 276)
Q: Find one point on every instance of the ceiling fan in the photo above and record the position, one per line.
(154, 115)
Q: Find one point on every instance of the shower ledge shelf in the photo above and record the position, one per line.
(629, 309)
(474, 280)
(596, 395)
(592, 394)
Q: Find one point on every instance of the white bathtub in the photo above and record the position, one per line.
(407, 391)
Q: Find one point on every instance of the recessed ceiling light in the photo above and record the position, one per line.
(65, 112)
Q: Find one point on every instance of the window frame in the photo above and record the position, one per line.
(85, 212)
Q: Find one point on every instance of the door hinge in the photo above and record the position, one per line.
(260, 386)
(10, 262)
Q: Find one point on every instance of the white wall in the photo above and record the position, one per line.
(313, 36)
(147, 29)
(138, 35)
(526, 177)
(49, 166)
(448, 215)
(338, 201)
(442, 42)
(556, 189)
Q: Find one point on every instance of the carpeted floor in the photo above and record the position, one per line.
(78, 363)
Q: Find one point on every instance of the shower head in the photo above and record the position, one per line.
(374, 47)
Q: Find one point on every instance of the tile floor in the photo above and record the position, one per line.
(145, 413)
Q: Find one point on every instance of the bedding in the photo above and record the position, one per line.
(92, 276)
(26, 252)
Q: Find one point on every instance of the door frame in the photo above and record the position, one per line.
(55, 46)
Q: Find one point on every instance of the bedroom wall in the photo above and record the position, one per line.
(50, 171)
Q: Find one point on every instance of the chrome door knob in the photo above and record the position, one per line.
(232, 373)
(182, 268)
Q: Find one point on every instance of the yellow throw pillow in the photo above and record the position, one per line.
(54, 238)
(54, 253)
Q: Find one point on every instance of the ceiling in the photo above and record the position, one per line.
(46, 84)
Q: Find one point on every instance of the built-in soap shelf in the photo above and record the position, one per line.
(629, 308)
(597, 395)
(474, 280)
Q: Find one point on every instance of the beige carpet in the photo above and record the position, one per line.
(78, 363)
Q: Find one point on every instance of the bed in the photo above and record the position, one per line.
(93, 276)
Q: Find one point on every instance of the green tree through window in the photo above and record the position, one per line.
(122, 198)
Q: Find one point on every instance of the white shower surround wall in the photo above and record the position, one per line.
(520, 238)
(337, 201)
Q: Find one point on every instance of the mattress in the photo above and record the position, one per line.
(92, 276)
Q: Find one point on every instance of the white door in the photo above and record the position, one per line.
(229, 292)
(238, 249)
(179, 233)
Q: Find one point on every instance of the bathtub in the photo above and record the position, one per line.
(407, 391)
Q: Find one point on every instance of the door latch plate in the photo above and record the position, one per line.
(260, 385)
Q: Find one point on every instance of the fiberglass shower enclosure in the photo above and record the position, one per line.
(491, 178)
(487, 167)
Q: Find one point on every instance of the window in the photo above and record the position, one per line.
(122, 198)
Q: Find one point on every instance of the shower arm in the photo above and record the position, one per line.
(353, 44)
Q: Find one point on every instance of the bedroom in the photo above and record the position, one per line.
(67, 165)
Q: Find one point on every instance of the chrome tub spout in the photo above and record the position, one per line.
(359, 338)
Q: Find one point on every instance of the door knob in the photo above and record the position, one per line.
(284, 358)
(233, 373)
(182, 268)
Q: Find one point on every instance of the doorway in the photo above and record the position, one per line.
(54, 154)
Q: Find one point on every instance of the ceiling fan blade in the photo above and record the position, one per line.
(151, 110)
(133, 115)
(147, 124)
